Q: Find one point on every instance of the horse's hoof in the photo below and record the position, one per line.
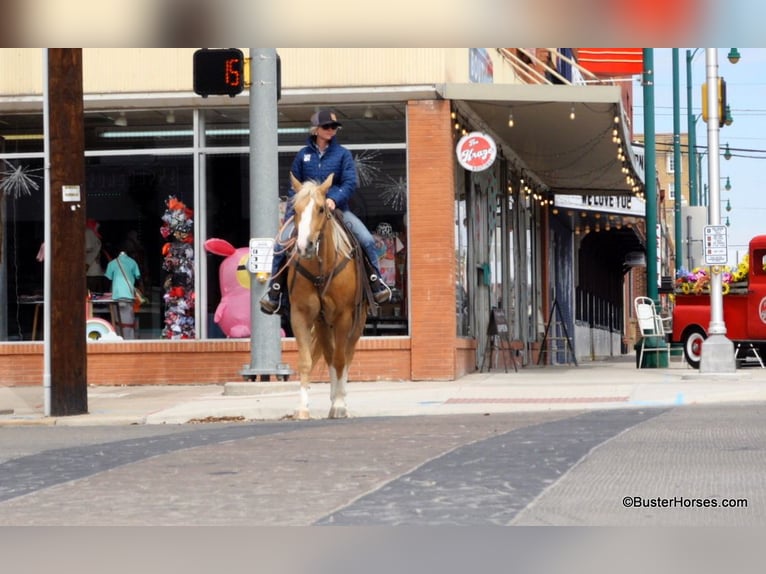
(338, 413)
(302, 415)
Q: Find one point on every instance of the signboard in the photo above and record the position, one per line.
(261, 255)
(620, 204)
(480, 69)
(716, 245)
(660, 251)
(497, 323)
(612, 61)
(70, 193)
(476, 151)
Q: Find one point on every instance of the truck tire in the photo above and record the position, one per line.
(692, 340)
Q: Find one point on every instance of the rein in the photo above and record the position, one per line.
(323, 279)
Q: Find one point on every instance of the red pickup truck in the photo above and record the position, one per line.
(744, 308)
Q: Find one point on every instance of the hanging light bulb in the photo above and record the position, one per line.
(510, 119)
(728, 205)
(727, 187)
(727, 153)
(571, 113)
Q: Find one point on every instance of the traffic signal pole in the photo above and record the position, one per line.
(265, 340)
(717, 350)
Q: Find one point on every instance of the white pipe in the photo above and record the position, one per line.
(47, 239)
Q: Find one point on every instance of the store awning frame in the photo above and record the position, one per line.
(568, 156)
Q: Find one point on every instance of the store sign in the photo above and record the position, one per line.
(476, 151)
(619, 204)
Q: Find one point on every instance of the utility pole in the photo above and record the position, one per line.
(265, 342)
(65, 343)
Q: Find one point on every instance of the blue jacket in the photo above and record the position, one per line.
(336, 160)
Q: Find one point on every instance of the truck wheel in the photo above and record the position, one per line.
(693, 339)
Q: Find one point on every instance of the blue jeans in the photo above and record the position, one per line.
(358, 228)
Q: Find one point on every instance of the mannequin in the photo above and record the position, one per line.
(124, 273)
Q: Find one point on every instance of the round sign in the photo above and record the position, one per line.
(476, 151)
(762, 310)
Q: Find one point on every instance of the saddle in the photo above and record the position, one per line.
(362, 264)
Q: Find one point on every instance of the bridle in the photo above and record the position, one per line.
(322, 279)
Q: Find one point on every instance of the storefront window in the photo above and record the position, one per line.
(380, 201)
(21, 238)
(140, 167)
(128, 197)
(461, 255)
(139, 129)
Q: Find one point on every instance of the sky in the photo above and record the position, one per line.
(746, 136)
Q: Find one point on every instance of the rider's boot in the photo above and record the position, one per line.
(380, 291)
(273, 301)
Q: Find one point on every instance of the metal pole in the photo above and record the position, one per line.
(692, 135)
(265, 342)
(651, 177)
(47, 239)
(677, 161)
(717, 351)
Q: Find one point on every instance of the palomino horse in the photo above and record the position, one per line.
(327, 307)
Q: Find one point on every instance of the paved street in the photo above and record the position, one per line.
(561, 467)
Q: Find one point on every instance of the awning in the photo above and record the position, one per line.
(573, 156)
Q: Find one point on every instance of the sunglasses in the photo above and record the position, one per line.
(329, 126)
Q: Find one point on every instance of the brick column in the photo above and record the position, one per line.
(431, 159)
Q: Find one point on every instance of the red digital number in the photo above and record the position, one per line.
(233, 75)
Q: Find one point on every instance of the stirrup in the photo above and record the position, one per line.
(271, 303)
(382, 294)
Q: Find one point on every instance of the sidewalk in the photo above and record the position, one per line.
(615, 383)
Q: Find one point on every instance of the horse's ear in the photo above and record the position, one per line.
(295, 183)
(326, 184)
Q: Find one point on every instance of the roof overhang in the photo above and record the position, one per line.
(572, 156)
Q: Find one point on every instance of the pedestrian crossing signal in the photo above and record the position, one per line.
(721, 102)
(219, 72)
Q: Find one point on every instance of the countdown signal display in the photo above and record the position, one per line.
(219, 72)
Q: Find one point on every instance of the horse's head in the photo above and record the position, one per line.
(311, 214)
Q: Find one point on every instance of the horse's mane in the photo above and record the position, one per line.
(339, 234)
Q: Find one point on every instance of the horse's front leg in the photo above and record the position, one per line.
(338, 368)
(303, 338)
